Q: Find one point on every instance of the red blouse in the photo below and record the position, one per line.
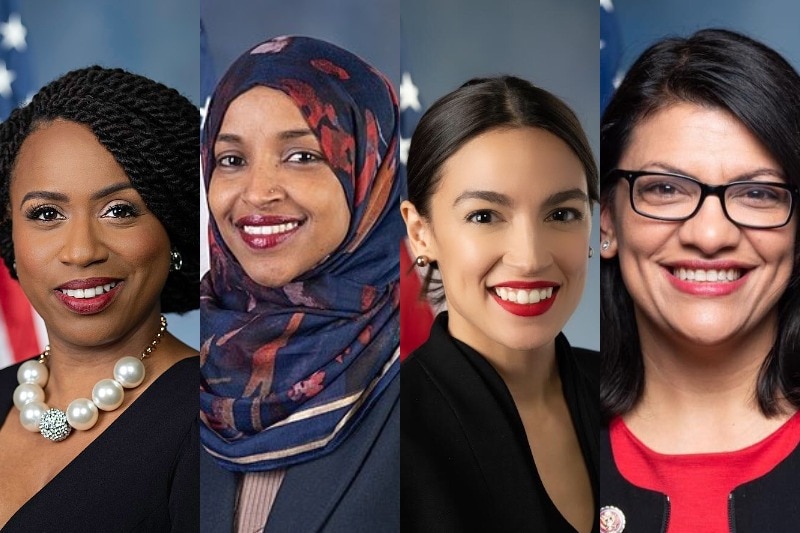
(698, 485)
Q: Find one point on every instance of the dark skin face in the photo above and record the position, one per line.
(76, 217)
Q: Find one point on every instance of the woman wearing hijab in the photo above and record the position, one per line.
(300, 387)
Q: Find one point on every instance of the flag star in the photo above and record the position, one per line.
(13, 33)
(618, 79)
(602, 44)
(6, 78)
(409, 94)
(405, 144)
(607, 5)
(204, 112)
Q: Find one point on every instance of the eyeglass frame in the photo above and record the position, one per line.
(705, 191)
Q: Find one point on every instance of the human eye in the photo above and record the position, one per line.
(565, 215)
(664, 189)
(229, 161)
(303, 157)
(482, 216)
(120, 210)
(45, 213)
(758, 195)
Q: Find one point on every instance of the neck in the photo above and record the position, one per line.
(530, 375)
(75, 367)
(701, 398)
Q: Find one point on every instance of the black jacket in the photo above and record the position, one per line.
(770, 503)
(465, 460)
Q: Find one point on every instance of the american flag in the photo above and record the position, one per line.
(416, 316)
(20, 327)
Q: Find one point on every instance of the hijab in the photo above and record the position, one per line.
(288, 372)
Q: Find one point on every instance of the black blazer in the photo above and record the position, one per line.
(354, 489)
(466, 463)
(769, 503)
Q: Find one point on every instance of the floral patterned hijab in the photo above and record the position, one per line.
(288, 372)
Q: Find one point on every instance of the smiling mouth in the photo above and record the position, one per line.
(276, 229)
(91, 292)
(523, 296)
(707, 276)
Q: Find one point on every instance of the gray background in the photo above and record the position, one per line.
(157, 39)
(552, 43)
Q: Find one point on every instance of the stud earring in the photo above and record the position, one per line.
(591, 252)
(175, 260)
(421, 261)
(605, 246)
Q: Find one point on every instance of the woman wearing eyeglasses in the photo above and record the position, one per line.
(700, 305)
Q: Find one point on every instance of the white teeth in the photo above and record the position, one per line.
(725, 275)
(522, 296)
(89, 293)
(270, 230)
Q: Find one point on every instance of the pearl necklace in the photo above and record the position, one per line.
(82, 413)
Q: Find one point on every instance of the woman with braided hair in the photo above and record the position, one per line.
(99, 223)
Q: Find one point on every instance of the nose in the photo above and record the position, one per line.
(263, 186)
(83, 243)
(709, 230)
(527, 251)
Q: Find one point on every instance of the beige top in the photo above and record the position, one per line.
(257, 492)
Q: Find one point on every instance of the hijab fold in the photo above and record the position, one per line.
(288, 372)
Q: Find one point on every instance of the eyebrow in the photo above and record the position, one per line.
(489, 196)
(763, 171)
(506, 201)
(61, 197)
(283, 136)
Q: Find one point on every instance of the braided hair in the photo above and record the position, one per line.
(153, 133)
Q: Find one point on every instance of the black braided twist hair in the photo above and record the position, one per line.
(153, 133)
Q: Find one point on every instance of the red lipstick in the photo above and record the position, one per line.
(526, 310)
(262, 241)
(88, 306)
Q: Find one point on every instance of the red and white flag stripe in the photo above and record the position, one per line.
(22, 332)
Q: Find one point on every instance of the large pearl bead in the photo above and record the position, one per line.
(82, 414)
(27, 392)
(33, 372)
(30, 415)
(107, 394)
(129, 372)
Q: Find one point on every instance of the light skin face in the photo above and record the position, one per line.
(714, 147)
(271, 176)
(511, 207)
(76, 216)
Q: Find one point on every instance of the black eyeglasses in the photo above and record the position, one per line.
(675, 198)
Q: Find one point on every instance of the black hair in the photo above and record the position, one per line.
(153, 133)
(480, 105)
(717, 69)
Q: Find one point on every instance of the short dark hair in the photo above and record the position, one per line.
(153, 133)
(480, 105)
(717, 69)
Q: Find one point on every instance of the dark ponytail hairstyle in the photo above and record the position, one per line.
(478, 106)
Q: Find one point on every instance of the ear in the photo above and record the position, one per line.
(608, 229)
(420, 233)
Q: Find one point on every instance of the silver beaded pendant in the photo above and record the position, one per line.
(54, 426)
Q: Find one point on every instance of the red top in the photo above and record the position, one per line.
(698, 485)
